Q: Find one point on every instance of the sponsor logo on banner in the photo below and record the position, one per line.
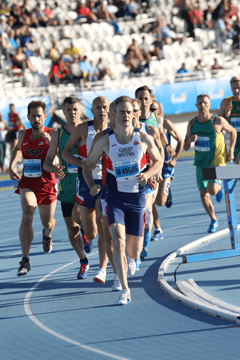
(178, 99)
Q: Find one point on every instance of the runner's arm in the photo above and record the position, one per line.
(101, 147)
(172, 131)
(225, 126)
(20, 121)
(16, 155)
(154, 156)
(163, 138)
(189, 137)
(72, 141)
(52, 152)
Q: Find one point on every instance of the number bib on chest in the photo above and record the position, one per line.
(11, 125)
(125, 172)
(202, 143)
(32, 168)
(235, 122)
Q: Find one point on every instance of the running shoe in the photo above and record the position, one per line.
(144, 253)
(131, 266)
(87, 244)
(82, 274)
(138, 262)
(169, 199)
(213, 226)
(157, 235)
(125, 298)
(24, 267)
(220, 195)
(47, 243)
(100, 277)
(116, 285)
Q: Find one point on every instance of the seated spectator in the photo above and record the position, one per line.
(85, 67)
(15, 13)
(136, 50)
(59, 72)
(72, 50)
(196, 17)
(53, 53)
(236, 37)
(93, 74)
(229, 11)
(84, 12)
(135, 66)
(147, 53)
(47, 11)
(75, 72)
(182, 69)
(167, 35)
(40, 15)
(12, 39)
(221, 30)
(103, 14)
(20, 60)
(24, 9)
(199, 67)
(3, 24)
(208, 17)
(216, 66)
(58, 15)
(5, 45)
(103, 71)
(27, 36)
(133, 8)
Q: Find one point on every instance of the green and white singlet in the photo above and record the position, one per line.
(152, 120)
(234, 121)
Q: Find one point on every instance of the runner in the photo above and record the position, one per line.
(230, 109)
(101, 276)
(37, 186)
(205, 130)
(89, 205)
(164, 195)
(152, 184)
(126, 149)
(15, 124)
(67, 175)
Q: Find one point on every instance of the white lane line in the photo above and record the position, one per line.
(29, 313)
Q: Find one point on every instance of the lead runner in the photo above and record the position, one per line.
(126, 149)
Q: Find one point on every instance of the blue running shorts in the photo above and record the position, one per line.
(83, 196)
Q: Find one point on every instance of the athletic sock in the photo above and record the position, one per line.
(160, 230)
(146, 238)
(85, 261)
(25, 258)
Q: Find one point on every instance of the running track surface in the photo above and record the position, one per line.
(48, 314)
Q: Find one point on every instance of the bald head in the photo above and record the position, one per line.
(100, 108)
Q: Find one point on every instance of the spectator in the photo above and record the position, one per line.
(85, 67)
(183, 69)
(5, 45)
(85, 12)
(147, 53)
(236, 37)
(135, 66)
(93, 74)
(53, 53)
(208, 17)
(15, 13)
(216, 66)
(199, 67)
(3, 24)
(221, 30)
(133, 8)
(40, 15)
(103, 14)
(75, 71)
(58, 15)
(72, 50)
(196, 17)
(47, 11)
(65, 33)
(138, 55)
(12, 39)
(59, 72)
(20, 60)
(3, 128)
(103, 71)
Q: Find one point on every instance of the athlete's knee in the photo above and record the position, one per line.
(49, 223)
(27, 219)
(119, 245)
(134, 253)
(73, 231)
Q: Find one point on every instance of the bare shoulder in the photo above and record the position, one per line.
(159, 120)
(52, 131)
(220, 120)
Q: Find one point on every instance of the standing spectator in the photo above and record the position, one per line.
(3, 128)
(15, 124)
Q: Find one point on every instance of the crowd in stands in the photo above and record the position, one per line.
(19, 46)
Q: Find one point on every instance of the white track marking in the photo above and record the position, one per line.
(29, 312)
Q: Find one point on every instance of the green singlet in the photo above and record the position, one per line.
(67, 185)
(152, 120)
(210, 148)
(234, 121)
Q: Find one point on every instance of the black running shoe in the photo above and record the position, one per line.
(24, 267)
(47, 243)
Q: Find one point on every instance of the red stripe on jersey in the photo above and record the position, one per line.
(82, 151)
(144, 161)
(109, 164)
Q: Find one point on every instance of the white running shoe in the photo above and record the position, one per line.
(125, 298)
(131, 266)
(116, 285)
(100, 277)
(157, 235)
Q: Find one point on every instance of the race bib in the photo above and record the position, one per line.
(202, 143)
(32, 168)
(126, 170)
(11, 125)
(72, 169)
(235, 122)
